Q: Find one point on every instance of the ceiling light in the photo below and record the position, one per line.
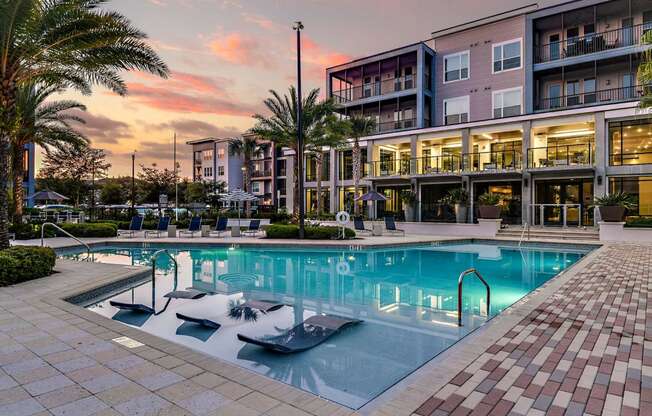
(572, 133)
(487, 136)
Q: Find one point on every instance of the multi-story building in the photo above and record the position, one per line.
(212, 162)
(538, 104)
(29, 180)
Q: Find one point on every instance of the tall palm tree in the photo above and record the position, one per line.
(73, 43)
(47, 124)
(247, 147)
(281, 126)
(645, 72)
(359, 126)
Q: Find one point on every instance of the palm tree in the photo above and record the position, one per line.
(281, 126)
(645, 72)
(360, 126)
(72, 43)
(45, 124)
(247, 147)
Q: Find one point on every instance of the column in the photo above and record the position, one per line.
(467, 147)
(601, 155)
(419, 79)
(289, 183)
(526, 182)
(334, 181)
(372, 185)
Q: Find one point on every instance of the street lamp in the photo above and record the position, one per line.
(133, 183)
(298, 27)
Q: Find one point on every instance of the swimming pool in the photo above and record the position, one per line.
(405, 296)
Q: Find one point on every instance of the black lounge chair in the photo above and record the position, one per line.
(390, 226)
(264, 306)
(308, 334)
(358, 225)
(134, 307)
(185, 294)
(161, 228)
(135, 226)
(199, 321)
(253, 229)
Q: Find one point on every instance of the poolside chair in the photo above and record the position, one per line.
(161, 228)
(308, 334)
(254, 228)
(263, 306)
(390, 226)
(193, 227)
(135, 226)
(358, 225)
(220, 227)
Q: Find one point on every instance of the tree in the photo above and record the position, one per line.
(47, 124)
(359, 126)
(155, 182)
(73, 167)
(281, 126)
(247, 147)
(72, 43)
(113, 192)
(645, 71)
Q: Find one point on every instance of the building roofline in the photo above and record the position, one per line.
(209, 140)
(486, 20)
(370, 57)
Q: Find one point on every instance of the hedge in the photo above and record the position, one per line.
(22, 263)
(642, 222)
(91, 229)
(289, 231)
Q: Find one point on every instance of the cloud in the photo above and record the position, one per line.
(239, 49)
(317, 55)
(101, 129)
(192, 129)
(261, 21)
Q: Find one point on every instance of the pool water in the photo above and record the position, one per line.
(406, 298)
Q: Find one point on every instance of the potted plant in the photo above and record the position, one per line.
(409, 198)
(460, 199)
(489, 206)
(613, 207)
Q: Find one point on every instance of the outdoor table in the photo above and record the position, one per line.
(172, 231)
(205, 230)
(376, 230)
(235, 231)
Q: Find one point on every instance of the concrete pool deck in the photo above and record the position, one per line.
(59, 357)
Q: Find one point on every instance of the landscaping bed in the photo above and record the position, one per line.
(22, 263)
(291, 231)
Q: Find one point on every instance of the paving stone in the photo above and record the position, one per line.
(47, 385)
(147, 405)
(62, 396)
(82, 407)
(26, 407)
(203, 403)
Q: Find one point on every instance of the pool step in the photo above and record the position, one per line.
(551, 234)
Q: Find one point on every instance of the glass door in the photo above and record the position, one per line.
(567, 199)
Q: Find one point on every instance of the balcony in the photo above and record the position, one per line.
(608, 96)
(390, 167)
(492, 162)
(561, 156)
(591, 43)
(396, 125)
(375, 89)
(437, 165)
(261, 173)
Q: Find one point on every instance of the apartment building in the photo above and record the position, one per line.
(211, 162)
(538, 104)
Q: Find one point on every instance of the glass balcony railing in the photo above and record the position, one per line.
(437, 165)
(374, 89)
(612, 95)
(493, 161)
(561, 156)
(396, 125)
(390, 167)
(261, 173)
(591, 43)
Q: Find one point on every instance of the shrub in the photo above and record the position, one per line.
(22, 263)
(282, 231)
(618, 199)
(490, 199)
(642, 222)
(30, 231)
(289, 231)
(98, 229)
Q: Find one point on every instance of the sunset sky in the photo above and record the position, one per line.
(226, 54)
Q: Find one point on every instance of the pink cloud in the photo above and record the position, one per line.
(260, 21)
(239, 49)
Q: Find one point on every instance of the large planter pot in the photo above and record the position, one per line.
(612, 213)
(489, 212)
(409, 212)
(460, 213)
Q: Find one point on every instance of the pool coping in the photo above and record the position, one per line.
(403, 398)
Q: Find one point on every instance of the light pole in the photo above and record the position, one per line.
(133, 183)
(298, 26)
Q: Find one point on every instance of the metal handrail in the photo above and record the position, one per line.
(526, 227)
(459, 293)
(176, 275)
(88, 248)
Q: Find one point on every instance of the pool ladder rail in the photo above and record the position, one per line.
(50, 224)
(155, 256)
(460, 280)
(526, 228)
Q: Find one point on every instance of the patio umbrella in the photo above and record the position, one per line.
(47, 196)
(372, 196)
(238, 196)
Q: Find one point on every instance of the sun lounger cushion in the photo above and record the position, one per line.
(135, 307)
(185, 294)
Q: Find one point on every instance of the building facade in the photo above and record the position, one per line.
(211, 162)
(539, 105)
(29, 167)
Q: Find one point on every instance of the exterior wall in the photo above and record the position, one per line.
(29, 186)
(482, 82)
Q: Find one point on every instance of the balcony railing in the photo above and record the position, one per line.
(374, 89)
(396, 125)
(437, 165)
(493, 161)
(591, 43)
(261, 173)
(390, 167)
(612, 95)
(561, 156)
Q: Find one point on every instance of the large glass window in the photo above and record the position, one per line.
(507, 56)
(630, 142)
(456, 66)
(346, 164)
(311, 200)
(507, 103)
(456, 110)
(640, 187)
(311, 168)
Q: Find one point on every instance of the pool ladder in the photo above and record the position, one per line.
(50, 224)
(176, 276)
(526, 228)
(459, 293)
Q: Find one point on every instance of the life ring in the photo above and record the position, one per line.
(343, 268)
(343, 218)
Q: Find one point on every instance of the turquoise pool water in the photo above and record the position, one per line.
(405, 296)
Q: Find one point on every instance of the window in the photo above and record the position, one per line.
(507, 103)
(640, 187)
(507, 56)
(456, 110)
(572, 93)
(255, 187)
(630, 142)
(208, 172)
(589, 91)
(220, 171)
(208, 154)
(220, 153)
(456, 66)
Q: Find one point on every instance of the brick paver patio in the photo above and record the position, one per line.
(585, 350)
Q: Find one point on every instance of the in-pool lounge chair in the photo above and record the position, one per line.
(253, 229)
(263, 306)
(161, 228)
(135, 226)
(220, 227)
(176, 294)
(308, 334)
(193, 228)
(390, 226)
(358, 225)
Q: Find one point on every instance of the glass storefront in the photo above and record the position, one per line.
(640, 187)
(345, 166)
(393, 205)
(511, 199)
(311, 168)
(493, 151)
(311, 200)
(573, 197)
(630, 142)
(346, 199)
(567, 145)
(432, 210)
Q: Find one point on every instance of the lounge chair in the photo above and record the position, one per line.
(263, 306)
(358, 225)
(253, 229)
(135, 226)
(308, 334)
(390, 226)
(161, 228)
(193, 227)
(133, 307)
(220, 227)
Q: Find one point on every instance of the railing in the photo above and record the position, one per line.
(88, 248)
(410, 123)
(560, 156)
(346, 171)
(261, 173)
(635, 158)
(493, 161)
(434, 165)
(374, 89)
(612, 95)
(564, 208)
(460, 280)
(526, 228)
(390, 167)
(176, 276)
(591, 43)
